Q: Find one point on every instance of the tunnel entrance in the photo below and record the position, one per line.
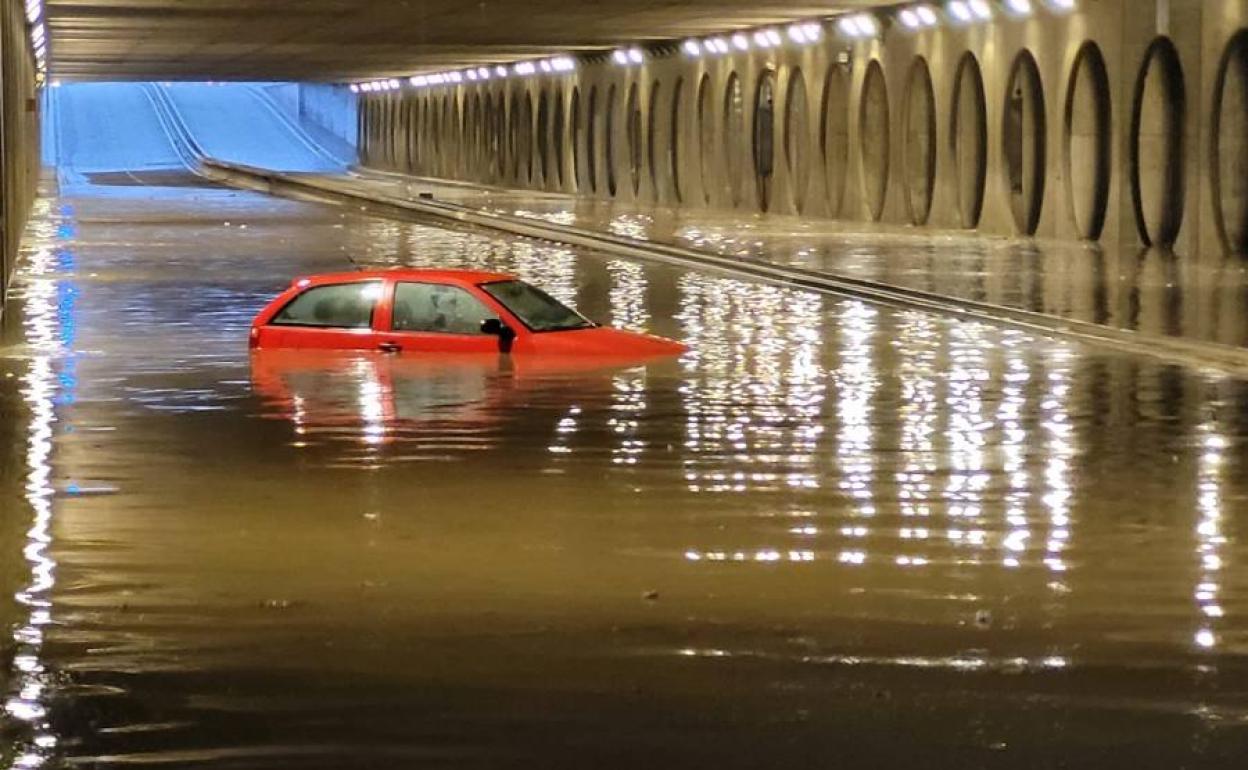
(873, 139)
(834, 136)
(1088, 148)
(1025, 143)
(797, 139)
(1158, 145)
(1230, 146)
(969, 134)
(920, 142)
(764, 141)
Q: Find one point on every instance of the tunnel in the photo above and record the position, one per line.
(623, 385)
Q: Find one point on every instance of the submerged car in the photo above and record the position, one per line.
(439, 311)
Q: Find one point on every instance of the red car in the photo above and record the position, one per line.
(439, 311)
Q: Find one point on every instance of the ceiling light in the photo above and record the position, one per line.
(981, 9)
(813, 31)
(1019, 7)
(796, 33)
(619, 57)
(741, 42)
(910, 19)
(692, 48)
(959, 10)
(483, 73)
(1061, 6)
(544, 65)
(926, 15)
(860, 25)
(635, 56)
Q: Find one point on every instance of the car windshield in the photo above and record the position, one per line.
(537, 309)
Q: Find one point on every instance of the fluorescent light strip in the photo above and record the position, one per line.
(917, 17)
(858, 26)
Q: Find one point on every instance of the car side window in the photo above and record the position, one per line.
(432, 307)
(336, 306)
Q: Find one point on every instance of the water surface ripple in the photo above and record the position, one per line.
(831, 532)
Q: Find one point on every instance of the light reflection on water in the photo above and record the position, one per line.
(50, 381)
(891, 489)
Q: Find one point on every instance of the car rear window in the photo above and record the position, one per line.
(335, 306)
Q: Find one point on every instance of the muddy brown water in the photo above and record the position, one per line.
(832, 535)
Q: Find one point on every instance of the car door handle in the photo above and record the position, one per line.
(390, 347)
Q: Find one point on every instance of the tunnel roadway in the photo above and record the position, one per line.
(832, 531)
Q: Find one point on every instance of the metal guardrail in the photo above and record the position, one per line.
(1171, 349)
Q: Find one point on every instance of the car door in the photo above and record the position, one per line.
(427, 317)
(329, 316)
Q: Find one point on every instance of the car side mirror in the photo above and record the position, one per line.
(497, 328)
(505, 334)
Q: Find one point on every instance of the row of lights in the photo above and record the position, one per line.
(802, 33)
(38, 34)
(472, 75)
(924, 16)
(853, 26)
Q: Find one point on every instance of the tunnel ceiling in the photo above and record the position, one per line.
(361, 39)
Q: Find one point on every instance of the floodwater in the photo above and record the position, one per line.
(832, 535)
(1197, 297)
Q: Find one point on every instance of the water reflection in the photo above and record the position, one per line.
(47, 292)
(856, 385)
(1210, 536)
(1195, 296)
(435, 408)
(820, 495)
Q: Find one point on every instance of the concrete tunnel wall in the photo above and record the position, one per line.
(1123, 122)
(19, 135)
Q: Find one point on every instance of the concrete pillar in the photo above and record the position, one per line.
(1122, 122)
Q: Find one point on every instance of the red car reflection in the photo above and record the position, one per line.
(439, 311)
(331, 390)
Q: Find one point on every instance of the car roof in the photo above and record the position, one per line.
(437, 275)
